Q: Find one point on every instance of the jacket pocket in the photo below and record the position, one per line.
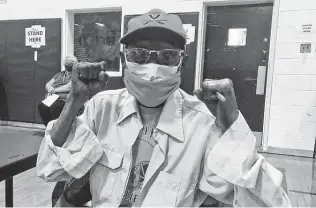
(111, 158)
(104, 174)
(168, 189)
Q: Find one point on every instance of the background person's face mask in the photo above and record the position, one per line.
(151, 84)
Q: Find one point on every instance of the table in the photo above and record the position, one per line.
(18, 153)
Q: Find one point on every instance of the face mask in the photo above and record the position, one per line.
(151, 93)
(151, 71)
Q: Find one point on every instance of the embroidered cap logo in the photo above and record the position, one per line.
(155, 18)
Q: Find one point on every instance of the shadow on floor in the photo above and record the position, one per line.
(39, 133)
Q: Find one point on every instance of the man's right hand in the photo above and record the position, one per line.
(87, 80)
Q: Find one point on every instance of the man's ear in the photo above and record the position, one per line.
(123, 61)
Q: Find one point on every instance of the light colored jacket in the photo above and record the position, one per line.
(191, 161)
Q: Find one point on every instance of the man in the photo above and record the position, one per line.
(151, 144)
(60, 84)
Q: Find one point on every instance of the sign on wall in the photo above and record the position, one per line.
(35, 36)
(307, 28)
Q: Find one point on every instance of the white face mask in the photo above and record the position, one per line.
(152, 71)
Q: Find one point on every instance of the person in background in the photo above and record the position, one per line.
(60, 85)
(151, 144)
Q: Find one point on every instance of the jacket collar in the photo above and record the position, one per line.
(170, 120)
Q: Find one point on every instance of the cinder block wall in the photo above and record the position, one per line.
(293, 103)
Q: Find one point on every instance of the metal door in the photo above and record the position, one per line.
(236, 47)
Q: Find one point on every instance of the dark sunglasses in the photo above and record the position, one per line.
(167, 57)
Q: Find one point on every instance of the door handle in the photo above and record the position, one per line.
(265, 53)
(261, 79)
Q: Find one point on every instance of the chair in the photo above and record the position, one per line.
(75, 192)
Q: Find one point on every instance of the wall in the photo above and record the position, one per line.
(293, 104)
(36, 9)
(291, 112)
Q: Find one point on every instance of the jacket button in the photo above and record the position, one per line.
(236, 203)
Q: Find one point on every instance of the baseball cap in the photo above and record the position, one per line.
(155, 22)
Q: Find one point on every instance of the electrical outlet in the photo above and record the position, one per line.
(306, 48)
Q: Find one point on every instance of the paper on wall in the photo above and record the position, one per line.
(190, 31)
(35, 55)
(35, 36)
(50, 100)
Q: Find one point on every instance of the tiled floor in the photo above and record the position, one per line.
(300, 176)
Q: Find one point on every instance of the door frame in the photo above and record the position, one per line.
(273, 36)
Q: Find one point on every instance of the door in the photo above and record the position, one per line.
(236, 47)
(188, 71)
(3, 72)
(22, 79)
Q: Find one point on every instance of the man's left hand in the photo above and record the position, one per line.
(219, 97)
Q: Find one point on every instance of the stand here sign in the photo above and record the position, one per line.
(35, 36)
